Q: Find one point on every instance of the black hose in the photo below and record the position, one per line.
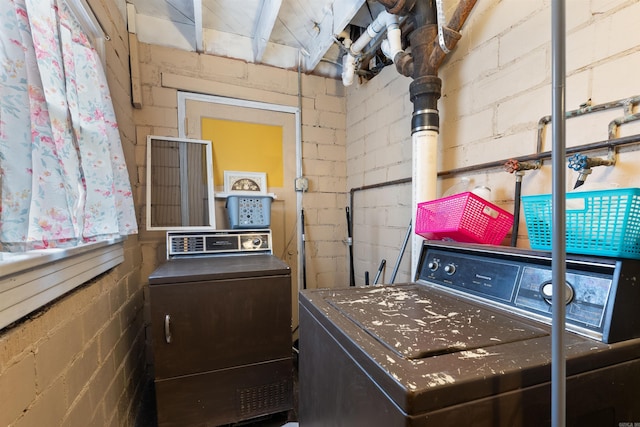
(380, 268)
(516, 211)
(304, 255)
(352, 277)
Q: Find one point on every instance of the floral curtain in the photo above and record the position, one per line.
(63, 176)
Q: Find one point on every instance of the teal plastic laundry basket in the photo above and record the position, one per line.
(605, 222)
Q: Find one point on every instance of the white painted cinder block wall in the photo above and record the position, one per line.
(496, 85)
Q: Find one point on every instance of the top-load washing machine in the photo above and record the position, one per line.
(469, 344)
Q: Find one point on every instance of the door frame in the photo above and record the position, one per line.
(183, 97)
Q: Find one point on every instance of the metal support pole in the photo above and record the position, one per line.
(558, 256)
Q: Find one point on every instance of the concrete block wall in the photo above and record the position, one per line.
(493, 114)
(80, 360)
(165, 71)
(324, 163)
(379, 153)
(496, 85)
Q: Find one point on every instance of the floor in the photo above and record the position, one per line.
(277, 420)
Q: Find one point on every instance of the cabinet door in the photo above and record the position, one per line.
(205, 326)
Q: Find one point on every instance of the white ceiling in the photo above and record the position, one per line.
(282, 33)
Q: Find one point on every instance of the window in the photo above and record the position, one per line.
(66, 199)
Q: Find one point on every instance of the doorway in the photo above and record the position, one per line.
(197, 110)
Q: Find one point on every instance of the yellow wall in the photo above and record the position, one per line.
(246, 147)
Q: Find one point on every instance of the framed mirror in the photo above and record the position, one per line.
(179, 184)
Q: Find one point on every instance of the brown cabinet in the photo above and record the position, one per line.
(221, 338)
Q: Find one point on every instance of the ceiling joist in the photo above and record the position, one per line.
(280, 33)
(197, 20)
(264, 26)
(343, 12)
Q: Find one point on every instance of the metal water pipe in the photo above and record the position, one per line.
(626, 104)
(629, 116)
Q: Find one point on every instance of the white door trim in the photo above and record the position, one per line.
(183, 97)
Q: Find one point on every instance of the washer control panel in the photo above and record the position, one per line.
(523, 284)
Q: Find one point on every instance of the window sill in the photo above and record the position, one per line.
(30, 280)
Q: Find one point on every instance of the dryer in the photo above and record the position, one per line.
(220, 309)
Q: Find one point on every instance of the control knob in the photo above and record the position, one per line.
(450, 269)
(250, 243)
(546, 289)
(433, 265)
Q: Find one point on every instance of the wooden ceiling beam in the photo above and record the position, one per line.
(197, 20)
(266, 20)
(334, 22)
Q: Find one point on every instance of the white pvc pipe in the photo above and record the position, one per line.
(348, 69)
(392, 45)
(425, 177)
(382, 21)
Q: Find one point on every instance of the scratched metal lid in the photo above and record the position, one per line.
(417, 324)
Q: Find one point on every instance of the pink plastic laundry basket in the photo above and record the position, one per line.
(463, 217)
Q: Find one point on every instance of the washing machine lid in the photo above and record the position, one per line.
(418, 324)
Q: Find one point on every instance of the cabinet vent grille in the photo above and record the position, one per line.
(265, 399)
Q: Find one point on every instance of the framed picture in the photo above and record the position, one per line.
(245, 182)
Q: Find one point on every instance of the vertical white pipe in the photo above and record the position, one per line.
(425, 176)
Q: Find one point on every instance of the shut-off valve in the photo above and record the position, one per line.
(514, 165)
(517, 167)
(582, 164)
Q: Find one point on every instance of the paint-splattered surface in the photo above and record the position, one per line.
(417, 324)
(429, 349)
